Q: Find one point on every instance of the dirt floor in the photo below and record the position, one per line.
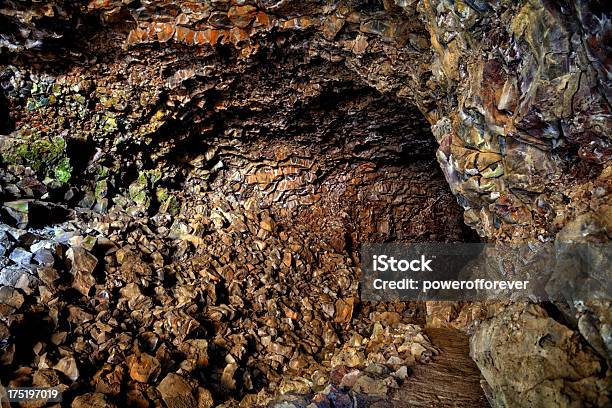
(450, 380)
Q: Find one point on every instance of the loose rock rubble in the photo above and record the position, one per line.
(220, 303)
(184, 187)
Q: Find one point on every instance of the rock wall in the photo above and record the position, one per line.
(318, 112)
(524, 146)
(516, 93)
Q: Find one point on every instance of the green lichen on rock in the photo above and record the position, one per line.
(168, 203)
(101, 189)
(63, 170)
(141, 191)
(102, 172)
(106, 122)
(154, 176)
(138, 190)
(110, 124)
(44, 155)
(37, 153)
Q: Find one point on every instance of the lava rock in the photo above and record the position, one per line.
(176, 392)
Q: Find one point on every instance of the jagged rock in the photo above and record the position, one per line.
(143, 367)
(81, 260)
(368, 385)
(566, 371)
(18, 211)
(48, 275)
(11, 297)
(5, 243)
(205, 398)
(46, 378)
(20, 256)
(176, 392)
(227, 378)
(92, 400)
(18, 277)
(68, 366)
(43, 257)
(221, 163)
(83, 264)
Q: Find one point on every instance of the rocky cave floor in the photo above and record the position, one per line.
(223, 300)
(227, 274)
(185, 186)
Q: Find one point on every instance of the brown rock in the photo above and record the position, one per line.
(241, 16)
(143, 367)
(11, 297)
(205, 398)
(68, 366)
(83, 264)
(45, 378)
(368, 385)
(176, 392)
(83, 282)
(136, 398)
(563, 363)
(267, 224)
(344, 310)
(310, 118)
(227, 378)
(92, 400)
(81, 260)
(287, 259)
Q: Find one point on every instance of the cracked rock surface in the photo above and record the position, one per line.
(185, 187)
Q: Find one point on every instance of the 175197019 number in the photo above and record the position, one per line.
(22, 394)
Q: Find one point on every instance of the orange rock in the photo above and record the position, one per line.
(200, 38)
(222, 36)
(332, 26)
(134, 36)
(241, 16)
(182, 18)
(151, 32)
(305, 22)
(299, 23)
(211, 36)
(262, 20)
(99, 4)
(293, 23)
(165, 32)
(144, 34)
(180, 33)
(291, 314)
(143, 367)
(238, 36)
(344, 310)
(189, 37)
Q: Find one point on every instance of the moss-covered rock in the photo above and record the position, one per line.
(47, 156)
(63, 170)
(168, 203)
(138, 191)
